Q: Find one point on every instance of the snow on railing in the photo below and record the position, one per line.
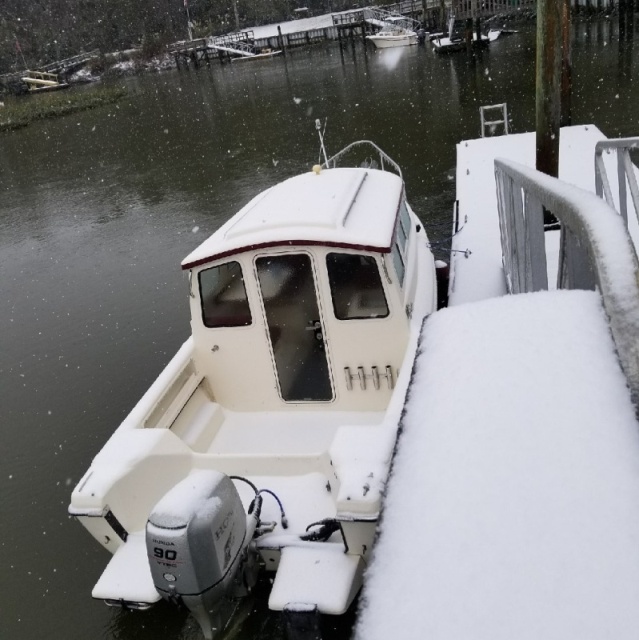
(389, 19)
(595, 250)
(384, 158)
(625, 172)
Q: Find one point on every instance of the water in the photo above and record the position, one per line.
(97, 210)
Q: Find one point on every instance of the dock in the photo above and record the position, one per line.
(512, 511)
(337, 26)
(49, 76)
(479, 275)
(512, 507)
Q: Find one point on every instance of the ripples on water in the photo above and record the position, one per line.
(97, 210)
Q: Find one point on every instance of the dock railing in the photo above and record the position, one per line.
(596, 251)
(625, 174)
(387, 20)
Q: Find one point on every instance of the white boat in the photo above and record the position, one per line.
(265, 444)
(393, 37)
(455, 40)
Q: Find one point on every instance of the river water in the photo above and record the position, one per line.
(97, 210)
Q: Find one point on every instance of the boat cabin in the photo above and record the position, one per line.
(302, 298)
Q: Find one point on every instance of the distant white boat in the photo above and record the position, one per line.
(456, 42)
(395, 37)
(266, 442)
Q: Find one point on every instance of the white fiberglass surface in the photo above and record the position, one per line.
(305, 499)
(279, 433)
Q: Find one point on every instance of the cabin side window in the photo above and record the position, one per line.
(223, 296)
(356, 287)
(400, 242)
(404, 219)
(398, 263)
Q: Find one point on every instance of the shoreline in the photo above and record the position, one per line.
(18, 113)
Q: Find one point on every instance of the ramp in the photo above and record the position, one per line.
(513, 507)
(476, 269)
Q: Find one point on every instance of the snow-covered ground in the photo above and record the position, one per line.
(512, 512)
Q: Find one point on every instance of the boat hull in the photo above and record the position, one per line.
(386, 42)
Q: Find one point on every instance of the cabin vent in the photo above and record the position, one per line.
(374, 375)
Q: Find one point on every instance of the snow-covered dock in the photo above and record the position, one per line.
(480, 275)
(511, 511)
(513, 507)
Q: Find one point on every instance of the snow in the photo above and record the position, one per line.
(361, 457)
(341, 206)
(512, 508)
(323, 576)
(293, 26)
(128, 575)
(188, 497)
(480, 275)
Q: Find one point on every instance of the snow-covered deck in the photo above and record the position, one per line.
(480, 275)
(512, 511)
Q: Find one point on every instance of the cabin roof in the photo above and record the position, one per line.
(352, 208)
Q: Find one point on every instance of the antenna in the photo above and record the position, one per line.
(320, 133)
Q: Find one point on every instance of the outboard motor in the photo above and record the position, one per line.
(198, 541)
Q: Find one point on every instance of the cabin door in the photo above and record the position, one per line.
(295, 327)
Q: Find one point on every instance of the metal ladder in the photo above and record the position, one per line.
(493, 123)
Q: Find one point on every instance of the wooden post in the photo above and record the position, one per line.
(566, 66)
(280, 39)
(468, 33)
(548, 74)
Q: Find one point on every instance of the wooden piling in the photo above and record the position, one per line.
(548, 74)
(468, 34)
(566, 66)
(280, 39)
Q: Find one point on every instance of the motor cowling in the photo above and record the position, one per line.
(195, 539)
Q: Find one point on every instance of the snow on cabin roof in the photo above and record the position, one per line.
(338, 207)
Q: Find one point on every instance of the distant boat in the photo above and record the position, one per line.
(393, 37)
(456, 41)
(43, 81)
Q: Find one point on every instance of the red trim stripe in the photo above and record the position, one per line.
(284, 243)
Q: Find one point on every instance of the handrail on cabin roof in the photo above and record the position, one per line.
(332, 162)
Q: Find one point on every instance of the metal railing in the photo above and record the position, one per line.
(384, 159)
(389, 20)
(595, 251)
(625, 174)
